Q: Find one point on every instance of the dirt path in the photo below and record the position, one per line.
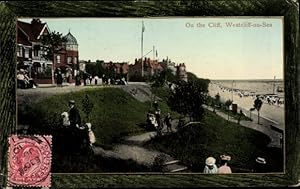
(132, 149)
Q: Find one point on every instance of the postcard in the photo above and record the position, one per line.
(154, 95)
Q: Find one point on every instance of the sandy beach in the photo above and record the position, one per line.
(274, 113)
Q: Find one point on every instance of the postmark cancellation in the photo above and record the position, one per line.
(29, 161)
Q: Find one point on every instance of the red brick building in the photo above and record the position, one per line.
(151, 67)
(67, 57)
(120, 70)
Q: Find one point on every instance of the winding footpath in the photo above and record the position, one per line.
(132, 149)
(132, 146)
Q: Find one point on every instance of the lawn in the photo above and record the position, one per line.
(215, 136)
(115, 114)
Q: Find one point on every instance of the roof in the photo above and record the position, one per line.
(71, 40)
(23, 39)
(154, 65)
(32, 30)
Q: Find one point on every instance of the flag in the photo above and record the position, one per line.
(143, 27)
(156, 53)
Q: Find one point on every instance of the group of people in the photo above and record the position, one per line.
(88, 79)
(156, 120)
(78, 134)
(24, 81)
(272, 100)
(211, 167)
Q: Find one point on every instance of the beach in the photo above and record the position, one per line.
(274, 113)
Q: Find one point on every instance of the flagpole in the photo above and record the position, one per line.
(153, 54)
(142, 49)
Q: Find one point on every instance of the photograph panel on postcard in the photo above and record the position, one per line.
(154, 95)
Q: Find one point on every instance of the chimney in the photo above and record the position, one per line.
(35, 21)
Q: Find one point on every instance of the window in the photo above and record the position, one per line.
(57, 59)
(26, 53)
(19, 51)
(74, 48)
(75, 60)
(69, 60)
(36, 50)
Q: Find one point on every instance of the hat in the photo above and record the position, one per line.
(72, 102)
(22, 70)
(210, 161)
(225, 157)
(260, 160)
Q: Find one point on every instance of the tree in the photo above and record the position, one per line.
(87, 106)
(257, 105)
(51, 44)
(227, 104)
(216, 101)
(188, 98)
(191, 76)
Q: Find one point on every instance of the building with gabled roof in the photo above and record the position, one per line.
(29, 47)
(151, 67)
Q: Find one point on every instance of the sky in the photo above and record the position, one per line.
(210, 47)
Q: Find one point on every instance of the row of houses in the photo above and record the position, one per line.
(152, 67)
(31, 57)
(133, 71)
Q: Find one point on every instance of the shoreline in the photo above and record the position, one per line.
(273, 113)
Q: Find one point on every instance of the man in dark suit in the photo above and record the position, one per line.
(74, 115)
(75, 132)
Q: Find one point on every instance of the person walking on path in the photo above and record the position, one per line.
(85, 77)
(240, 116)
(167, 121)
(155, 105)
(157, 117)
(59, 78)
(224, 168)
(210, 166)
(96, 79)
(77, 80)
(90, 78)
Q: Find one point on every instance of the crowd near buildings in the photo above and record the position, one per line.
(31, 58)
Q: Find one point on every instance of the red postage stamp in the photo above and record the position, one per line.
(29, 161)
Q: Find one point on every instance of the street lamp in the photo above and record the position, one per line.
(232, 91)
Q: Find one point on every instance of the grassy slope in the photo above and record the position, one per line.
(115, 113)
(214, 137)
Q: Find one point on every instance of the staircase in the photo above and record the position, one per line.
(174, 167)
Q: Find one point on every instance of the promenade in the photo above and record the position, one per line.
(270, 114)
(263, 127)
